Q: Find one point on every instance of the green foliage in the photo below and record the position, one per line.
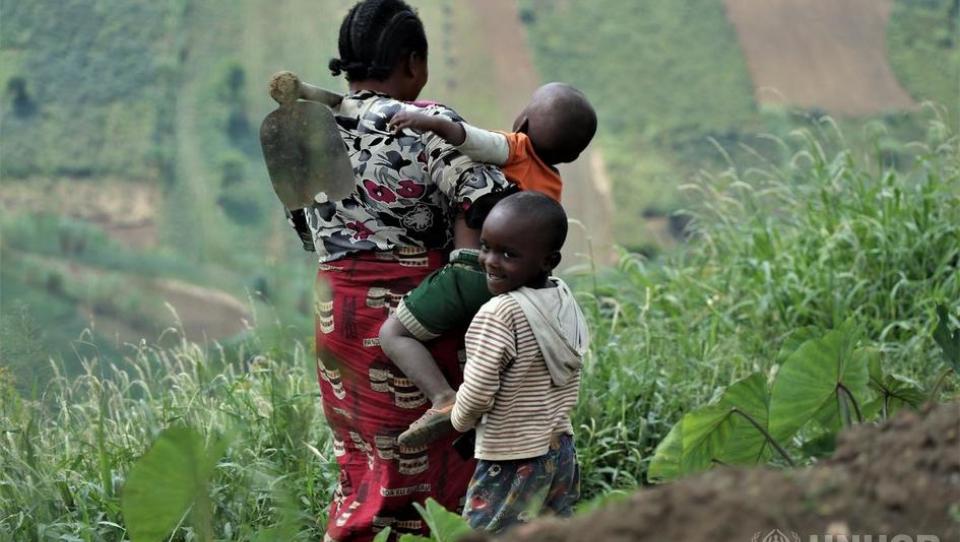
(948, 341)
(822, 383)
(894, 391)
(777, 256)
(445, 526)
(167, 482)
(277, 475)
(821, 380)
(924, 48)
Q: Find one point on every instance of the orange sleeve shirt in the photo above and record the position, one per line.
(524, 168)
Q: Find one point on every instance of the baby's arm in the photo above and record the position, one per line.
(448, 130)
(478, 144)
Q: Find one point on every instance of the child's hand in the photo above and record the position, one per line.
(451, 132)
(411, 120)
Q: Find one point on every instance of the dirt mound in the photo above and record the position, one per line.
(819, 54)
(900, 478)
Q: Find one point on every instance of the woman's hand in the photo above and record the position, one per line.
(451, 132)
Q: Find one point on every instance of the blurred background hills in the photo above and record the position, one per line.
(135, 200)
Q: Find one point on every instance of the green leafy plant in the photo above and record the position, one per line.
(949, 342)
(445, 526)
(170, 481)
(824, 384)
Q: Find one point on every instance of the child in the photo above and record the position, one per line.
(521, 379)
(555, 127)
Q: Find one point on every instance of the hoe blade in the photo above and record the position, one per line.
(305, 155)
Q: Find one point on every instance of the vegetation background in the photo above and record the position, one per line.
(147, 276)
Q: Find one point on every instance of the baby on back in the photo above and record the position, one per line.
(554, 128)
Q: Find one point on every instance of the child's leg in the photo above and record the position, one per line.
(565, 488)
(444, 301)
(413, 358)
(505, 493)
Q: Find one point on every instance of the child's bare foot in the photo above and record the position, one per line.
(434, 424)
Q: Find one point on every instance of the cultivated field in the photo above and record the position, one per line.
(819, 54)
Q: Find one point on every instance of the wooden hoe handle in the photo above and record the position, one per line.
(286, 88)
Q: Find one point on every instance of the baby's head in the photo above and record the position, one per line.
(521, 240)
(559, 121)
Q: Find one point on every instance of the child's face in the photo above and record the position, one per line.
(514, 252)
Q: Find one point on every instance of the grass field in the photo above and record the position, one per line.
(828, 239)
(817, 223)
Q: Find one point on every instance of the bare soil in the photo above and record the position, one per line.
(902, 477)
(126, 210)
(824, 54)
(197, 313)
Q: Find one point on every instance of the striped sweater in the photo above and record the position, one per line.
(507, 391)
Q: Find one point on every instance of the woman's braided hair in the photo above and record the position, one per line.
(374, 36)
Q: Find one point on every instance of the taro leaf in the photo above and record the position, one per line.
(820, 446)
(899, 392)
(383, 536)
(949, 342)
(895, 391)
(796, 338)
(874, 368)
(809, 383)
(747, 445)
(871, 410)
(166, 481)
(414, 538)
(665, 464)
(706, 432)
(445, 526)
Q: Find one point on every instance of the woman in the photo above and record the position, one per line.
(375, 246)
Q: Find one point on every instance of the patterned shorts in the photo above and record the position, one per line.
(504, 493)
(447, 299)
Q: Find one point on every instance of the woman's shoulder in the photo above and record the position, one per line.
(374, 101)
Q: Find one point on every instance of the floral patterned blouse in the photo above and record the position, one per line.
(409, 185)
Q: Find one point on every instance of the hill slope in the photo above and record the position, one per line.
(819, 54)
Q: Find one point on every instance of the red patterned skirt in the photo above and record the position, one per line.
(368, 401)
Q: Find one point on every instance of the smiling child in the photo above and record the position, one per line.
(524, 352)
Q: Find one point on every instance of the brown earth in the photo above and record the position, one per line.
(902, 477)
(825, 54)
(125, 210)
(586, 190)
(198, 313)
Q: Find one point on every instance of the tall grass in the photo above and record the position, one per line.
(67, 449)
(816, 240)
(813, 242)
